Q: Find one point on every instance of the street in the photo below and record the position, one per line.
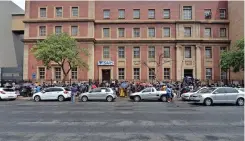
(22, 120)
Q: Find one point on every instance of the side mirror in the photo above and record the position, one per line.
(43, 91)
(90, 91)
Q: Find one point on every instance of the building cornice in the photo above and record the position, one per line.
(221, 41)
(47, 20)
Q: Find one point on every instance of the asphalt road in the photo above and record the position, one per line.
(119, 121)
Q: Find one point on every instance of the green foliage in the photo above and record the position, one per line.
(61, 49)
(234, 58)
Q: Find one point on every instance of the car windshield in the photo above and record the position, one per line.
(206, 90)
(8, 90)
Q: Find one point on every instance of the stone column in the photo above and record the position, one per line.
(198, 62)
(179, 62)
(25, 61)
(91, 61)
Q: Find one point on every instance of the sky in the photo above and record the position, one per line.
(20, 3)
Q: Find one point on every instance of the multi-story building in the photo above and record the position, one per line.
(132, 40)
(11, 48)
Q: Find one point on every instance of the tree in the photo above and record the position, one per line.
(61, 49)
(234, 58)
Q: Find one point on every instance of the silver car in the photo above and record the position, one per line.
(99, 94)
(219, 95)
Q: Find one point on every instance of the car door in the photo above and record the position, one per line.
(154, 94)
(46, 94)
(231, 95)
(219, 95)
(146, 93)
(56, 92)
(95, 94)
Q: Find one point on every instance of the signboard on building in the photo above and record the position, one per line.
(105, 63)
(34, 76)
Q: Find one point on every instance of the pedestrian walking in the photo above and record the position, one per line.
(73, 92)
(169, 93)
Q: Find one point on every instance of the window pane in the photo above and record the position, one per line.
(166, 32)
(222, 32)
(151, 13)
(59, 11)
(74, 73)
(136, 52)
(223, 75)
(151, 73)
(151, 32)
(187, 12)
(121, 13)
(41, 73)
(222, 13)
(209, 73)
(187, 52)
(207, 32)
(136, 32)
(43, 12)
(106, 52)
(74, 30)
(58, 73)
(106, 14)
(121, 32)
(166, 52)
(166, 13)
(121, 73)
(58, 29)
(136, 13)
(187, 31)
(121, 52)
(166, 73)
(106, 32)
(208, 52)
(74, 11)
(136, 73)
(207, 13)
(151, 52)
(42, 31)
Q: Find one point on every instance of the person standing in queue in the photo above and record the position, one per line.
(169, 93)
(73, 92)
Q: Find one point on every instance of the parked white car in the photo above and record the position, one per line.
(53, 93)
(149, 94)
(219, 95)
(186, 96)
(7, 94)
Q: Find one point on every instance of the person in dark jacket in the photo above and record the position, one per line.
(73, 92)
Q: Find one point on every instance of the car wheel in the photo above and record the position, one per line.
(61, 98)
(208, 102)
(137, 98)
(109, 98)
(84, 98)
(164, 98)
(240, 102)
(37, 98)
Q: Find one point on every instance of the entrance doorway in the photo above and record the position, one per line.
(188, 72)
(106, 75)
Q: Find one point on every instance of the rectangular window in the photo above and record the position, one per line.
(136, 52)
(151, 32)
(43, 12)
(136, 32)
(208, 52)
(151, 73)
(187, 31)
(57, 73)
(222, 49)
(74, 30)
(222, 13)
(207, 13)
(187, 52)
(136, 14)
(121, 73)
(74, 11)
(106, 14)
(167, 73)
(166, 52)
(121, 52)
(166, 13)
(58, 29)
(121, 32)
(74, 73)
(207, 32)
(151, 52)
(222, 32)
(136, 73)
(106, 52)
(121, 13)
(58, 11)
(209, 73)
(42, 30)
(151, 13)
(166, 31)
(41, 73)
(187, 12)
(106, 32)
(223, 75)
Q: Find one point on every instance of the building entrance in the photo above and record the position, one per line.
(106, 75)
(188, 72)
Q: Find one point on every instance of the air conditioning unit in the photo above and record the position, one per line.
(208, 15)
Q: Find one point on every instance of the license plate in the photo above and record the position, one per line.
(10, 96)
